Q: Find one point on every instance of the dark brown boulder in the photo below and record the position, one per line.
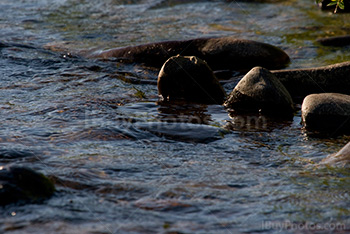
(327, 112)
(220, 53)
(302, 82)
(260, 90)
(191, 79)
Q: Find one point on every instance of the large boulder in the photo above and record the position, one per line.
(189, 78)
(23, 184)
(327, 112)
(260, 90)
(220, 53)
(302, 82)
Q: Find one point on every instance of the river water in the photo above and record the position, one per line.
(124, 163)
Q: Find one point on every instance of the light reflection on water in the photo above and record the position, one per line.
(122, 162)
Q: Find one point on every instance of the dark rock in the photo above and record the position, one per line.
(219, 53)
(260, 90)
(23, 184)
(335, 41)
(189, 78)
(327, 112)
(329, 79)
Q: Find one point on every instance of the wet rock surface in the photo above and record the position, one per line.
(21, 184)
(338, 41)
(189, 78)
(219, 53)
(260, 90)
(302, 82)
(327, 112)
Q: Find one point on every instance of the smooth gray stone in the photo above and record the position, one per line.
(219, 53)
(260, 90)
(328, 79)
(191, 79)
(327, 112)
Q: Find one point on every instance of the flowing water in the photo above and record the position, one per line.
(124, 163)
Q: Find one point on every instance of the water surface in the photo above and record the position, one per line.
(125, 163)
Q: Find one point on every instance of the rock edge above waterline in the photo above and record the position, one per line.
(327, 112)
(327, 79)
(191, 79)
(260, 90)
(219, 53)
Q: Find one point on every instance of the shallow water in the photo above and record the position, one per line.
(124, 163)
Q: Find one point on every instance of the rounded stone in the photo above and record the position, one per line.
(23, 184)
(260, 90)
(191, 79)
(327, 112)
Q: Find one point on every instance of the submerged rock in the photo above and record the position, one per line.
(219, 53)
(23, 184)
(302, 82)
(186, 132)
(260, 90)
(338, 41)
(189, 78)
(327, 112)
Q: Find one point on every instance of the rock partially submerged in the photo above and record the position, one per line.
(327, 112)
(23, 184)
(186, 132)
(341, 158)
(191, 79)
(260, 90)
(338, 41)
(302, 82)
(219, 53)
